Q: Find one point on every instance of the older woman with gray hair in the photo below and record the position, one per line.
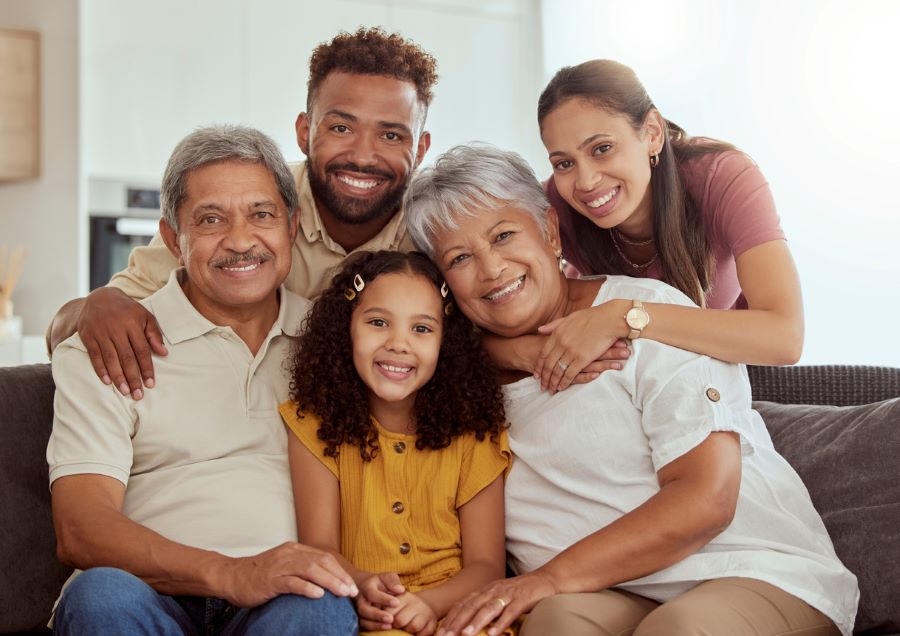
(648, 500)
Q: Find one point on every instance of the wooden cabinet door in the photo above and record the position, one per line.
(19, 105)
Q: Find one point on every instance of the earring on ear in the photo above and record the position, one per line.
(560, 262)
(654, 160)
(444, 290)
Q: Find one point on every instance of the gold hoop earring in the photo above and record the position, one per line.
(654, 160)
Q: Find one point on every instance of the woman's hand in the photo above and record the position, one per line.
(500, 602)
(378, 601)
(582, 345)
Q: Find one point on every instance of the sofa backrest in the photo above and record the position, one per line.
(835, 384)
(30, 577)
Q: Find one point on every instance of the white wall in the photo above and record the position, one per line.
(808, 88)
(42, 213)
(155, 70)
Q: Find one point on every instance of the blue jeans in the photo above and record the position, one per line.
(111, 601)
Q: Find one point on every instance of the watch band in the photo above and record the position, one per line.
(637, 318)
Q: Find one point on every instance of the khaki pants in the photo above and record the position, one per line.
(730, 607)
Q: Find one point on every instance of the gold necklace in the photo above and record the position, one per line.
(629, 241)
(628, 261)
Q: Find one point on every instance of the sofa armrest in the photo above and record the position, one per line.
(30, 576)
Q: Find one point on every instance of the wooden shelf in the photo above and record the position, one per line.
(20, 112)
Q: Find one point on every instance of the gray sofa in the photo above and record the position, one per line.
(836, 425)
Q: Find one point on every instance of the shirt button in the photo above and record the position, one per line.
(404, 548)
(399, 447)
(713, 394)
(397, 508)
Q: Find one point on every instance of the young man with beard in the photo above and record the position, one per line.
(363, 134)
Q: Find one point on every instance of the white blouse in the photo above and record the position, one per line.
(588, 455)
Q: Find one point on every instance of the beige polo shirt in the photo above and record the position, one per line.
(314, 257)
(203, 455)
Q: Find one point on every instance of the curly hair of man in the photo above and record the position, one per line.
(372, 51)
(463, 395)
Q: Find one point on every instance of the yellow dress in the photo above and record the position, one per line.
(399, 511)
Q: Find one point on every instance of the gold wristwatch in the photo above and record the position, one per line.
(637, 318)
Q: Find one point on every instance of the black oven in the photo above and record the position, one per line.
(112, 239)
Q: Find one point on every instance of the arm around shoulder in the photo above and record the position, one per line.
(768, 332)
(119, 333)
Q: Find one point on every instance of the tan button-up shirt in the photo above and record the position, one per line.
(314, 257)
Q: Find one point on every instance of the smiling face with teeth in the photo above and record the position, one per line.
(396, 331)
(503, 269)
(601, 163)
(234, 240)
(363, 137)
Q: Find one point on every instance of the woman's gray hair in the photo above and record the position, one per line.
(465, 179)
(213, 144)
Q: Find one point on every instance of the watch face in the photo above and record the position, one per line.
(637, 318)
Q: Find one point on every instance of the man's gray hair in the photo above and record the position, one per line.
(464, 179)
(213, 144)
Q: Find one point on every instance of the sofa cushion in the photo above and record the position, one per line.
(30, 577)
(849, 459)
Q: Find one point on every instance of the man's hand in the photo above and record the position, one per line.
(377, 601)
(120, 335)
(291, 568)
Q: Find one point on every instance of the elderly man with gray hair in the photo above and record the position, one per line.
(178, 510)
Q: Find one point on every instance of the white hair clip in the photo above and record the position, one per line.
(358, 285)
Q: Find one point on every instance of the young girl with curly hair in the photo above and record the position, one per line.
(399, 444)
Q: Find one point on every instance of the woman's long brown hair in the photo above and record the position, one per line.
(685, 254)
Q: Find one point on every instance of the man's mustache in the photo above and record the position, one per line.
(244, 258)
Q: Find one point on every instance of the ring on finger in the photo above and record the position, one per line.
(503, 603)
(562, 365)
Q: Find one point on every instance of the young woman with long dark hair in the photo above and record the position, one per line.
(636, 195)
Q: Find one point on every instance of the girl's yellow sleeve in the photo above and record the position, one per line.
(305, 427)
(483, 461)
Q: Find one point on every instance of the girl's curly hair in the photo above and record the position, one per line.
(462, 396)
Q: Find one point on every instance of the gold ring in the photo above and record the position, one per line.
(502, 603)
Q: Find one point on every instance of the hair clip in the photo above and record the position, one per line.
(444, 290)
(358, 285)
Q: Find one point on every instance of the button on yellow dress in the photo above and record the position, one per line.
(399, 510)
